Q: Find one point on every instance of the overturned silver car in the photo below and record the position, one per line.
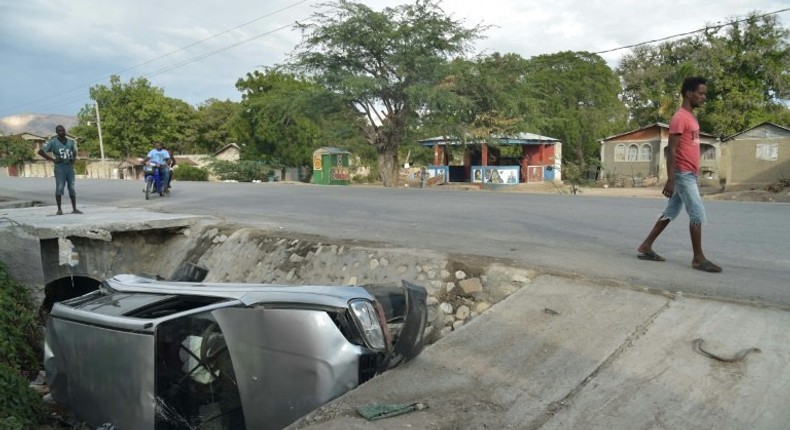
(146, 354)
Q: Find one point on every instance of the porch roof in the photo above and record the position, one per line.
(518, 139)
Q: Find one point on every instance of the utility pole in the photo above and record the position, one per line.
(101, 142)
(98, 127)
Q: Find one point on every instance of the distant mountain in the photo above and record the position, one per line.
(38, 124)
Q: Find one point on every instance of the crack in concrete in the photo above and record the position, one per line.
(554, 407)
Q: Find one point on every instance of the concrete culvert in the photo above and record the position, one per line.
(67, 288)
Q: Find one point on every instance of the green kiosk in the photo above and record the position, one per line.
(330, 166)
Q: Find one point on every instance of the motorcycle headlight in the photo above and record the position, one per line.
(368, 322)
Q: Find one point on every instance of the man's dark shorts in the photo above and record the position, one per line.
(64, 176)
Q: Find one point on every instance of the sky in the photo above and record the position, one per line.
(53, 51)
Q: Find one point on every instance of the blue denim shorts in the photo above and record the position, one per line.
(64, 176)
(686, 194)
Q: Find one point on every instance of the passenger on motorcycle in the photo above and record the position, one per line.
(160, 157)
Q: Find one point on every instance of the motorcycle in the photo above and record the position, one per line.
(153, 180)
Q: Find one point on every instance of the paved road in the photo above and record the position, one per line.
(589, 236)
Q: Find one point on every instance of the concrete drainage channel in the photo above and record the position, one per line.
(459, 287)
(63, 261)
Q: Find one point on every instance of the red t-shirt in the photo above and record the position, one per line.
(685, 124)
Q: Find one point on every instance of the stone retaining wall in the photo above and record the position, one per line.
(459, 287)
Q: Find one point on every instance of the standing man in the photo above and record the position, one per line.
(682, 169)
(64, 152)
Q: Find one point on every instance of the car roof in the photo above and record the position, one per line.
(247, 293)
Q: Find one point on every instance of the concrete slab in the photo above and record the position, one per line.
(10, 204)
(609, 358)
(97, 222)
(662, 383)
(510, 367)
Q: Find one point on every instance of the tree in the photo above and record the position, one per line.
(277, 120)
(213, 124)
(576, 99)
(746, 63)
(652, 76)
(382, 65)
(481, 99)
(133, 116)
(14, 151)
(180, 128)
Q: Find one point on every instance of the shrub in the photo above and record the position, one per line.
(190, 173)
(20, 354)
(241, 171)
(20, 333)
(80, 167)
(20, 406)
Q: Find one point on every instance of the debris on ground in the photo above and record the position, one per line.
(696, 344)
(377, 411)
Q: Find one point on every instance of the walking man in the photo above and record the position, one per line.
(64, 152)
(683, 157)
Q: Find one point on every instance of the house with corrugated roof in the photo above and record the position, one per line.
(538, 159)
(756, 157)
(641, 153)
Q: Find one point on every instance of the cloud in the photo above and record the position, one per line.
(54, 46)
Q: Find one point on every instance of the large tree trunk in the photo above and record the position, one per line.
(388, 165)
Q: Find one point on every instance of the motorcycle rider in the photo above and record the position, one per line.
(161, 158)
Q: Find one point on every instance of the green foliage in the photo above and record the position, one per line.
(579, 174)
(382, 65)
(14, 151)
(133, 116)
(20, 406)
(80, 167)
(746, 65)
(575, 99)
(278, 120)
(20, 354)
(748, 70)
(190, 173)
(481, 99)
(213, 125)
(20, 334)
(241, 171)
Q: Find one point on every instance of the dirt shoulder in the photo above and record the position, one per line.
(654, 192)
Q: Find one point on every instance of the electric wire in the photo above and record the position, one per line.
(688, 33)
(149, 61)
(235, 44)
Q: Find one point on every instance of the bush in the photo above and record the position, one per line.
(190, 173)
(20, 406)
(20, 333)
(81, 167)
(241, 171)
(20, 354)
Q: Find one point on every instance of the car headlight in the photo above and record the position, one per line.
(368, 322)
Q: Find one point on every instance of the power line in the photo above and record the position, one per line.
(688, 33)
(218, 51)
(233, 45)
(83, 86)
(184, 63)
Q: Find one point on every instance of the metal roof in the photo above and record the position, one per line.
(756, 126)
(656, 124)
(330, 150)
(518, 139)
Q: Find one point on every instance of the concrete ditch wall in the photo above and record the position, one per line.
(460, 287)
